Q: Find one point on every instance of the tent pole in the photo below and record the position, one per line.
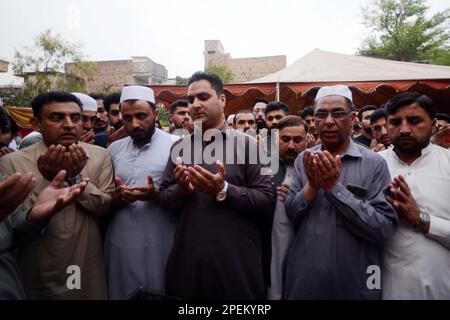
(277, 95)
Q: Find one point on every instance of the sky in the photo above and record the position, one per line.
(172, 32)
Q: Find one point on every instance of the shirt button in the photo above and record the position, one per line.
(339, 194)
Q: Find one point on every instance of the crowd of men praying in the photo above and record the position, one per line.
(102, 202)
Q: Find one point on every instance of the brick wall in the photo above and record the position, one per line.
(109, 74)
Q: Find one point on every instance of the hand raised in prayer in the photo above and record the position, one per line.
(311, 170)
(188, 126)
(181, 177)
(145, 192)
(13, 191)
(442, 137)
(310, 140)
(329, 170)
(54, 198)
(117, 134)
(282, 192)
(52, 162)
(75, 160)
(206, 182)
(5, 150)
(403, 201)
(88, 137)
(378, 147)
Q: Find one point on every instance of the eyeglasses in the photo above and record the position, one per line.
(334, 114)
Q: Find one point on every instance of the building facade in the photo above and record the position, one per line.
(114, 74)
(243, 69)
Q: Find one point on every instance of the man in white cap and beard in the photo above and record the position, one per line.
(338, 205)
(140, 234)
(88, 116)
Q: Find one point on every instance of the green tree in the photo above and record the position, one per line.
(179, 81)
(163, 115)
(43, 65)
(222, 72)
(401, 31)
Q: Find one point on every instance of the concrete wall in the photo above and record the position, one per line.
(243, 69)
(112, 75)
(3, 65)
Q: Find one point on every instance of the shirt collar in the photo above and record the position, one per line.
(153, 137)
(425, 151)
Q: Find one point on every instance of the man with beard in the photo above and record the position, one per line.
(307, 115)
(179, 116)
(259, 110)
(292, 141)
(275, 111)
(441, 135)
(88, 117)
(338, 207)
(416, 263)
(140, 234)
(101, 123)
(112, 105)
(378, 121)
(72, 237)
(366, 137)
(218, 247)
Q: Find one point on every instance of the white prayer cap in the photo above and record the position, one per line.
(230, 118)
(338, 90)
(137, 93)
(87, 103)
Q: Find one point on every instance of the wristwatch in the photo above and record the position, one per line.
(424, 219)
(75, 179)
(222, 194)
(424, 222)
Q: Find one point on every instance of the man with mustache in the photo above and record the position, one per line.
(116, 130)
(275, 111)
(339, 209)
(179, 117)
(307, 115)
(140, 234)
(364, 114)
(292, 141)
(218, 250)
(72, 237)
(378, 121)
(88, 116)
(259, 110)
(244, 120)
(416, 263)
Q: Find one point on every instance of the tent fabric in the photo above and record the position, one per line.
(22, 116)
(372, 81)
(324, 66)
